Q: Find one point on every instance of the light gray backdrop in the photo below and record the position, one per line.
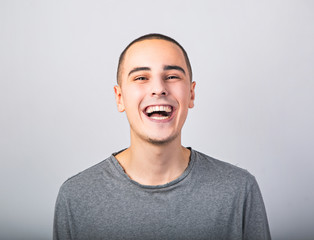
(253, 64)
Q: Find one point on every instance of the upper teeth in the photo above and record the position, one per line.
(158, 109)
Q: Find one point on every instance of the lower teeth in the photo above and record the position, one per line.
(159, 118)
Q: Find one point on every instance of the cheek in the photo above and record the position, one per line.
(183, 95)
(132, 98)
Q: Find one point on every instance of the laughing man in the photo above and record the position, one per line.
(156, 188)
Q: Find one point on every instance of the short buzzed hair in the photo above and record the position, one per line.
(147, 37)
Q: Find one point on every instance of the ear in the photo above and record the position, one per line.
(119, 98)
(192, 94)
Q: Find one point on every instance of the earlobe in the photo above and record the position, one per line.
(192, 95)
(119, 98)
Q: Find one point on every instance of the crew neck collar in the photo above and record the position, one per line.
(186, 172)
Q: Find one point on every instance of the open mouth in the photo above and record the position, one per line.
(160, 112)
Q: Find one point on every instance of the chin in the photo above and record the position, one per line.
(164, 141)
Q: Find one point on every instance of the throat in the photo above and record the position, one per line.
(154, 167)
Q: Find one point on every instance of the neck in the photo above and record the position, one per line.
(152, 164)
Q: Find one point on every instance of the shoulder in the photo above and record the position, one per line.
(220, 172)
(88, 179)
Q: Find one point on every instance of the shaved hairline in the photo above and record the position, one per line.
(150, 37)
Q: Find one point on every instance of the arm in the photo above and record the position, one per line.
(62, 218)
(255, 224)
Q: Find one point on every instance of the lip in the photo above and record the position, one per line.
(160, 120)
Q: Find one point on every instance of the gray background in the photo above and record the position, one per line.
(253, 64)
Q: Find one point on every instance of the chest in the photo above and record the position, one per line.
(193, 214)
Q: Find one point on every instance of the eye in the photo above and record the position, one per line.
(172, 77)
(140, 78)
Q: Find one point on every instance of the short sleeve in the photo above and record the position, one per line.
(62, 217)
(255, 223)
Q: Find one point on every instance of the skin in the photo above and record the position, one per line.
(154, 72)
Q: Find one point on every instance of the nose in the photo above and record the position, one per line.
(159, 88)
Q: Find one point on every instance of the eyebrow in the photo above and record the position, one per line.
(174, 67)
(139, 69)
(166, 67)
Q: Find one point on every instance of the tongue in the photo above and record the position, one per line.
(157, 114)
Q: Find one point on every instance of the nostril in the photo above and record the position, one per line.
(161, 93)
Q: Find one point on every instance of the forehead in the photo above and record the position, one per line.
(153, 52)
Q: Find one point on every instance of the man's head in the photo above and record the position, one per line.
(155, 90)
(147, 37)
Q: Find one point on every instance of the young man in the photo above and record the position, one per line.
(156, 188)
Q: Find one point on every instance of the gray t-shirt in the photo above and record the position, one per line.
(210, 200)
